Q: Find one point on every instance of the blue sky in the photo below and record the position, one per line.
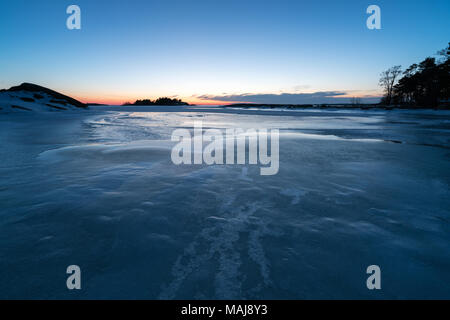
(207, 51)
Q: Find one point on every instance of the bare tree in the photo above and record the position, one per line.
(387, 81)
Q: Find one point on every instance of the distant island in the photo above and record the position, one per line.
(158, 102)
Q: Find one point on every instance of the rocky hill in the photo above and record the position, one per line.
(30, 97)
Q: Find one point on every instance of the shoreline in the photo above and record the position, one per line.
(332, 106)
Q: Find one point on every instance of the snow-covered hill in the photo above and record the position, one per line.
(30, 97)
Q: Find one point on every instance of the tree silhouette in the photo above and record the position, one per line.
(426, 84)
(158, 102)
(387, 81)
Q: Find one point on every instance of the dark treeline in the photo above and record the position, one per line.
(158, 102)
(426, 84)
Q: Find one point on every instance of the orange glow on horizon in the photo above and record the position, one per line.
(121, 101)
(109, 99)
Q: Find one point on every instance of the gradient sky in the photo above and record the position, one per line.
(213, 51)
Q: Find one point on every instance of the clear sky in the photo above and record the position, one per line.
(212, 51)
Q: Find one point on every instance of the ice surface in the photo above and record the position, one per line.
(97, 188)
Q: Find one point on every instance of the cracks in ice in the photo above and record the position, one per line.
(223, 242)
